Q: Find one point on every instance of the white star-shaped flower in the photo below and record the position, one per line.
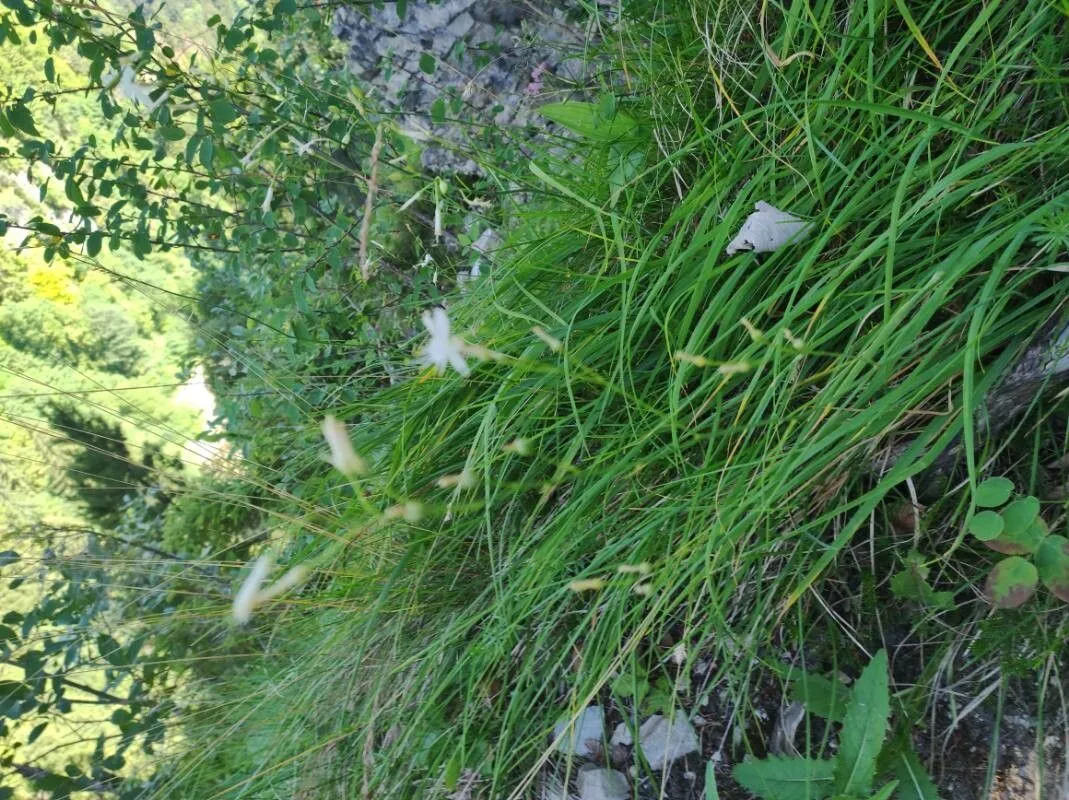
(304, 148)
(444, 349)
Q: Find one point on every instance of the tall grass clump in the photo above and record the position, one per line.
(664, 449)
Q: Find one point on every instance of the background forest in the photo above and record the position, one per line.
(456, 426)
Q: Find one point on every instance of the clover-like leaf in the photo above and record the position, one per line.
(993, 492)
(1015, 541)
(1052, 564)
(986, 525)
(1011, 582)
(1020, 514)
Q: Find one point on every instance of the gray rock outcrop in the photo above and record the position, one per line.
(456, 70)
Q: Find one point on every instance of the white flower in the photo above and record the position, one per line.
(270, 196)
(342, 455)
(126, 83)
(251, 595)
(767, 229)
(443, 349)
(304, 148)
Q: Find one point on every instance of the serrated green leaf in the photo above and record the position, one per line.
(1011, 583)
(587, 120)
(986, 525)
(913, 780)
(820, 696)
(786, 778)
(864, 729)
(1052, 565)
(885, 792)
(993, 492)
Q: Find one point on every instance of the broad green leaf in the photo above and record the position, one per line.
(93, 243)
(12, 695)
(820, 696)
(207, 151)
(864, 729)
(146, 39)
(913, 780)
(222, 112)
(142, 245)
(1019, 515)
(986, 525)
(8, 557)
(438, 111)
(172, 133)
(586, 120)
(20, 116)
(1018, 541)
(786, 778)
(35, 734)
(452, 771)
(1052, 565)
(233, 38)
(110, 650)
(912, 584)
(427, 63)
(1011, 583)
(993, 492)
